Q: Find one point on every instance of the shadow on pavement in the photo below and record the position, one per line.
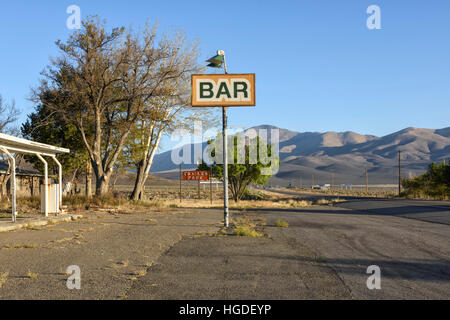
(421, 269)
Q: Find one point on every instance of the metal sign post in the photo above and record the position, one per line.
(225, 167)
(210, 184)
(226, 216)
(180, 182)
(223, 90)
(195, 176)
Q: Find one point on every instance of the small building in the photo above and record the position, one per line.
(27, 180)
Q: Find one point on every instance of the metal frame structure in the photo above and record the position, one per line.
(10, 144)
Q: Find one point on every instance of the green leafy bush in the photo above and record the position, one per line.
(434, 183)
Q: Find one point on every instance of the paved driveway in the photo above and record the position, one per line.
(323, 254)
(112, 252)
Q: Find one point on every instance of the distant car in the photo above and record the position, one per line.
(321, 187)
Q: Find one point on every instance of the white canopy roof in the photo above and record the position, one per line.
(10, 144)
(14, 144)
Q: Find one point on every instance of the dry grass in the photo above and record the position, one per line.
(161, 201)
(77, 203)
(31, 275)
(63, 273)
(121, 264)
(281, 224)
(388, 193)
(20, 246)
(140, 273)
(25, 205)
(4, 205)
(162, 205)
(159, 197)
(245, 231)
(244, 227)
(3, 278)
(118, 203)
(27, 246)
(243, 204)
(110, 203)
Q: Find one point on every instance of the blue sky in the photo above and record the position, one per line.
(318, 67)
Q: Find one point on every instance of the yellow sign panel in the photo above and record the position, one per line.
(223, 90)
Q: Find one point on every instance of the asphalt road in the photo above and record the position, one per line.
(177, 254)
(424, 210)
(430, 211)
(230, 267)
(112, 252)
(323, 254)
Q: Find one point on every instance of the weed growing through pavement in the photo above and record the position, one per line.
(281, 223)
(3, 278)
(31, 275)
(244, 227)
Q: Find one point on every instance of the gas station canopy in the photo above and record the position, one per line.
(10, 144)
(19, 145)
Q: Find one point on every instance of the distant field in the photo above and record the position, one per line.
(354, 192)
(169, 190)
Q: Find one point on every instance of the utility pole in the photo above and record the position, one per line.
(367, 181)
(332, 180)
(399, 173)
(312, 184)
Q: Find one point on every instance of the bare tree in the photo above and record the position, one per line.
(162, 113)
(8, 115)
(102, 83)
(145, 140)
(163, 117)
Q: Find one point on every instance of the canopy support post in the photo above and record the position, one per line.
(45, 183)
(13, 183)
(60, 181)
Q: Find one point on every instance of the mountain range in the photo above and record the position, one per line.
(346, 156)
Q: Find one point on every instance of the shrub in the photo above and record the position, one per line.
(32, 275)
(3, 278)
(434, 183)
(281, 224)
(244, 227)
(246, 231)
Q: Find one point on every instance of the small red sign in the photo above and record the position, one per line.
(196, 175)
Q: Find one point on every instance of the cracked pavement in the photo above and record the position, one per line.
(178, 254)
